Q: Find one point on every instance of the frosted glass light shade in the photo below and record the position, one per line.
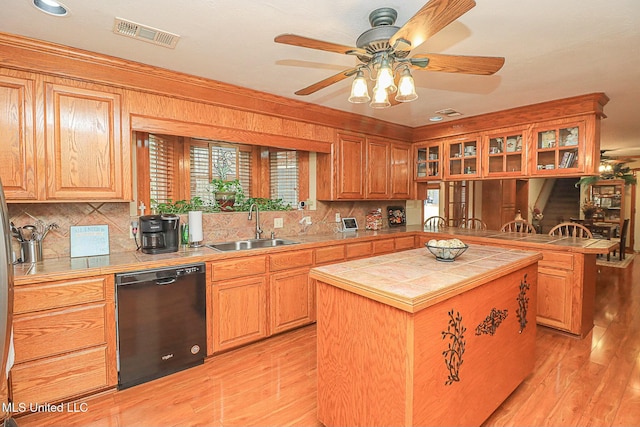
(359, 89)
(406, 87)
(380, 98)
(384, 78)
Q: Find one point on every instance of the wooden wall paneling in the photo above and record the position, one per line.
(17, 133)
(20, 52)
(568, 107)
(303, 176)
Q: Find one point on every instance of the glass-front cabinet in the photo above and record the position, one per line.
(428, 161)
(556, 148)
(504, 153)
(463, 157)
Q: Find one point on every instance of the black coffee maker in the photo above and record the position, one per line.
(160, 233)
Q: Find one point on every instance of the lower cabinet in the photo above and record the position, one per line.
(64, 337)
(554, 297)
(239, 312)
(292, 300)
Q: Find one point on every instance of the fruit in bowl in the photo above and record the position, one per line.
(447, 249)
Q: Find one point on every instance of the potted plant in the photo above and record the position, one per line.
(589, 208)
(227, 193)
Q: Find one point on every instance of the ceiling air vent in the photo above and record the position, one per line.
(145, 33)
(449, 112)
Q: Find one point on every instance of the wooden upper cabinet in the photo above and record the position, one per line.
(351, 162)
(400, 175)
(428, 161)
(504, 153)
(462, 157)
(17, 138)
(83, 139)
(362, 167)
(378, 166)
(560, 147)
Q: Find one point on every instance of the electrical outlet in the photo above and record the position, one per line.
(308, 218)
(133, 225)
(278, 223)
(338, 219)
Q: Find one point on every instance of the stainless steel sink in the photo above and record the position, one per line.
(241, 245)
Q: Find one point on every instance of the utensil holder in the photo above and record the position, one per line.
(31, 251)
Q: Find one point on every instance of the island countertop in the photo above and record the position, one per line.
(413, 280)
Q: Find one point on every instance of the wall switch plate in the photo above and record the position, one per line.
(311, 204)
(338, 219)
(278, 223)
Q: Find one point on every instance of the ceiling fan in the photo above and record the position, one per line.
(383, 52)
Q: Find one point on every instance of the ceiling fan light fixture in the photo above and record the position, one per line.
(380, 98)
(406, 87)
(359, 89)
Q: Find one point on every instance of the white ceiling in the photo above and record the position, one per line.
(553, 49)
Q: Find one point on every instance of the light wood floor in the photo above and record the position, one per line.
(589, 382)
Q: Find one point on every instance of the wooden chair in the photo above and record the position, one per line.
(571, 229)
(622, 239)
(519, 226)
(473, 224)
(435, 222)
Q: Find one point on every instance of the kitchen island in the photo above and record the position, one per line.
(404, 339)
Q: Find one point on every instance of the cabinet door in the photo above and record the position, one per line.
(554, 298)
(350, 172)
(428, 161)
(463, 157)
(559, 148)
(292, 300)
(239, 312)
(377, 167)
(400, 174)
(18, 143)
(504, 153)
(84, 148)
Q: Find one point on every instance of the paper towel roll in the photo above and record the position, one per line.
(195, 226)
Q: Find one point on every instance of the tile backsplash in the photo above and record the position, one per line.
(217, 227)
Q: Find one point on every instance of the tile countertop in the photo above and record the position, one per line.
(63, 268)
(413, 280)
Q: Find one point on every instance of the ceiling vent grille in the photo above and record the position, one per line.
(145, 33)
(449, 112)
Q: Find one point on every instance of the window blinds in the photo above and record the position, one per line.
(161, 169)
(283, 170)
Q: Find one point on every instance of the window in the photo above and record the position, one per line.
(161, 168)
(283, 176)
(214, 159)
(172, 168)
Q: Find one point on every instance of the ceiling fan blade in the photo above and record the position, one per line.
(301, 41)
(327, 82)
(433, 17)
(482, 65)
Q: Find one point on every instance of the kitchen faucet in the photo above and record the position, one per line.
(258, 229)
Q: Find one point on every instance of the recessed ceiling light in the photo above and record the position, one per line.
(51, 7)
(435, 119)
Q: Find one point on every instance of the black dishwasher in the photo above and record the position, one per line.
(161, 318)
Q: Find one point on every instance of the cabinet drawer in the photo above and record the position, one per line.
(403, 243)
(561, 260)
(66, 293)
(291, 259)
(59, 378)
(383, 246)
(60, 331)
(329, 254)
(360, 249)
(240, 267)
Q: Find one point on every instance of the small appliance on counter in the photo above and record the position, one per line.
(160, 233)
